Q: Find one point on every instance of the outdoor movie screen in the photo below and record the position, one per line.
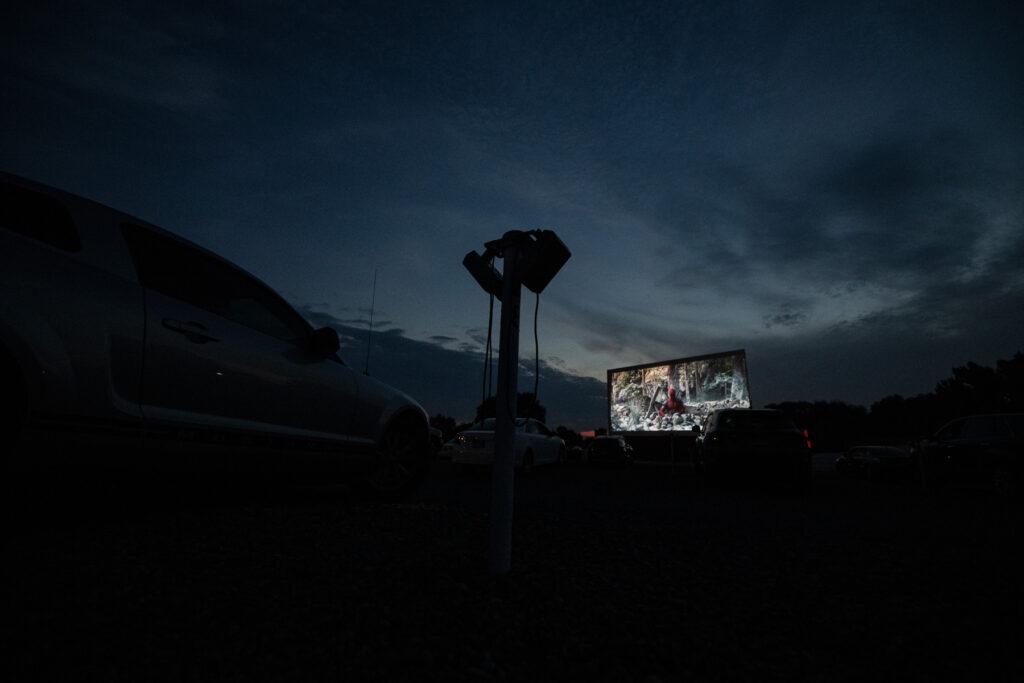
(676, 395)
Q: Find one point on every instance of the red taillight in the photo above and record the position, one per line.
(807, 438)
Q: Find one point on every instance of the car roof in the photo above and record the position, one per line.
(123, 217)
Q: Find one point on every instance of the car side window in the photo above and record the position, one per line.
(951, 431)
(38, 216)
(175, 269)
(251, 304)
(178, 270)
(979, 427)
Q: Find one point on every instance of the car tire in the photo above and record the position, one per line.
(403, 460)
(805, 481)
(926, 478)
(528, 462)
(1004, 484)
(710, 475)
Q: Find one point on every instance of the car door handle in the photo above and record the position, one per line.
(193, 331)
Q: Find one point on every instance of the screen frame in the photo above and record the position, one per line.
(643, 366)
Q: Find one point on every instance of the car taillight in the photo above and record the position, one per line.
(807, 439)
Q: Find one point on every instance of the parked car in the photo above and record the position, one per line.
(976, 451)
(741, 442)
(608, 450)
(876, 463)
(534, 444)
(115, 333)
(575, 454)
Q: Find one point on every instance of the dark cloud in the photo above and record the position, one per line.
(902, 205)
(903, 348)
(446, 380)
(365, 322)
(785, 319)
(887, 175)
(478, 336)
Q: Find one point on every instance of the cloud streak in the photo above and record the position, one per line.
(447, 380)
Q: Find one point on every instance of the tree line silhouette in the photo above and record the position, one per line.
(972, 389)
(837, 425)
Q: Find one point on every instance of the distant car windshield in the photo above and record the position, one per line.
(491, 424)
(754, 420)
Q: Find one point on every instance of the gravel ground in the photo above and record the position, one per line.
(637, 574)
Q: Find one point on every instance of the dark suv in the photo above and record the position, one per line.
(608, 450)
(754, 444)
(975, 451)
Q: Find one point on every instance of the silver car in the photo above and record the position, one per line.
(533, 444)
(117, 334)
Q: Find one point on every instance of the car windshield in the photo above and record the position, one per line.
(753, 420)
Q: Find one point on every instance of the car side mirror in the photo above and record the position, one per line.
(324, 342)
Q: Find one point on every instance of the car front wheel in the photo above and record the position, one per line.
(528, 462)
(403, 458)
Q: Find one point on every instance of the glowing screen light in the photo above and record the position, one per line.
(676, 395)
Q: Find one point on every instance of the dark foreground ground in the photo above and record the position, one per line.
(618, 574)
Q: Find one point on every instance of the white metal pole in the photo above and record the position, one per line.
(503, 469)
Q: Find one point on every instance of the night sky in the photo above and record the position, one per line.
(838, 188)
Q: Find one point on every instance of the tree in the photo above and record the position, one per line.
(831, 424)
(446, 424)
(972, 388)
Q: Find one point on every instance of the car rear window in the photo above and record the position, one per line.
(38, 216)
(978, 427)
(753, 420)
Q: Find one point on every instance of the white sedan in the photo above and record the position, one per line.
(535, 444)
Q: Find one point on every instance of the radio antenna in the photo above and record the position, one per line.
(369, 333)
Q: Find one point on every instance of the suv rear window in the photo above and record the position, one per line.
(606, 445)
(754, 420)
(38, 216)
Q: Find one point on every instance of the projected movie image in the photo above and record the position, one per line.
(676, 395)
